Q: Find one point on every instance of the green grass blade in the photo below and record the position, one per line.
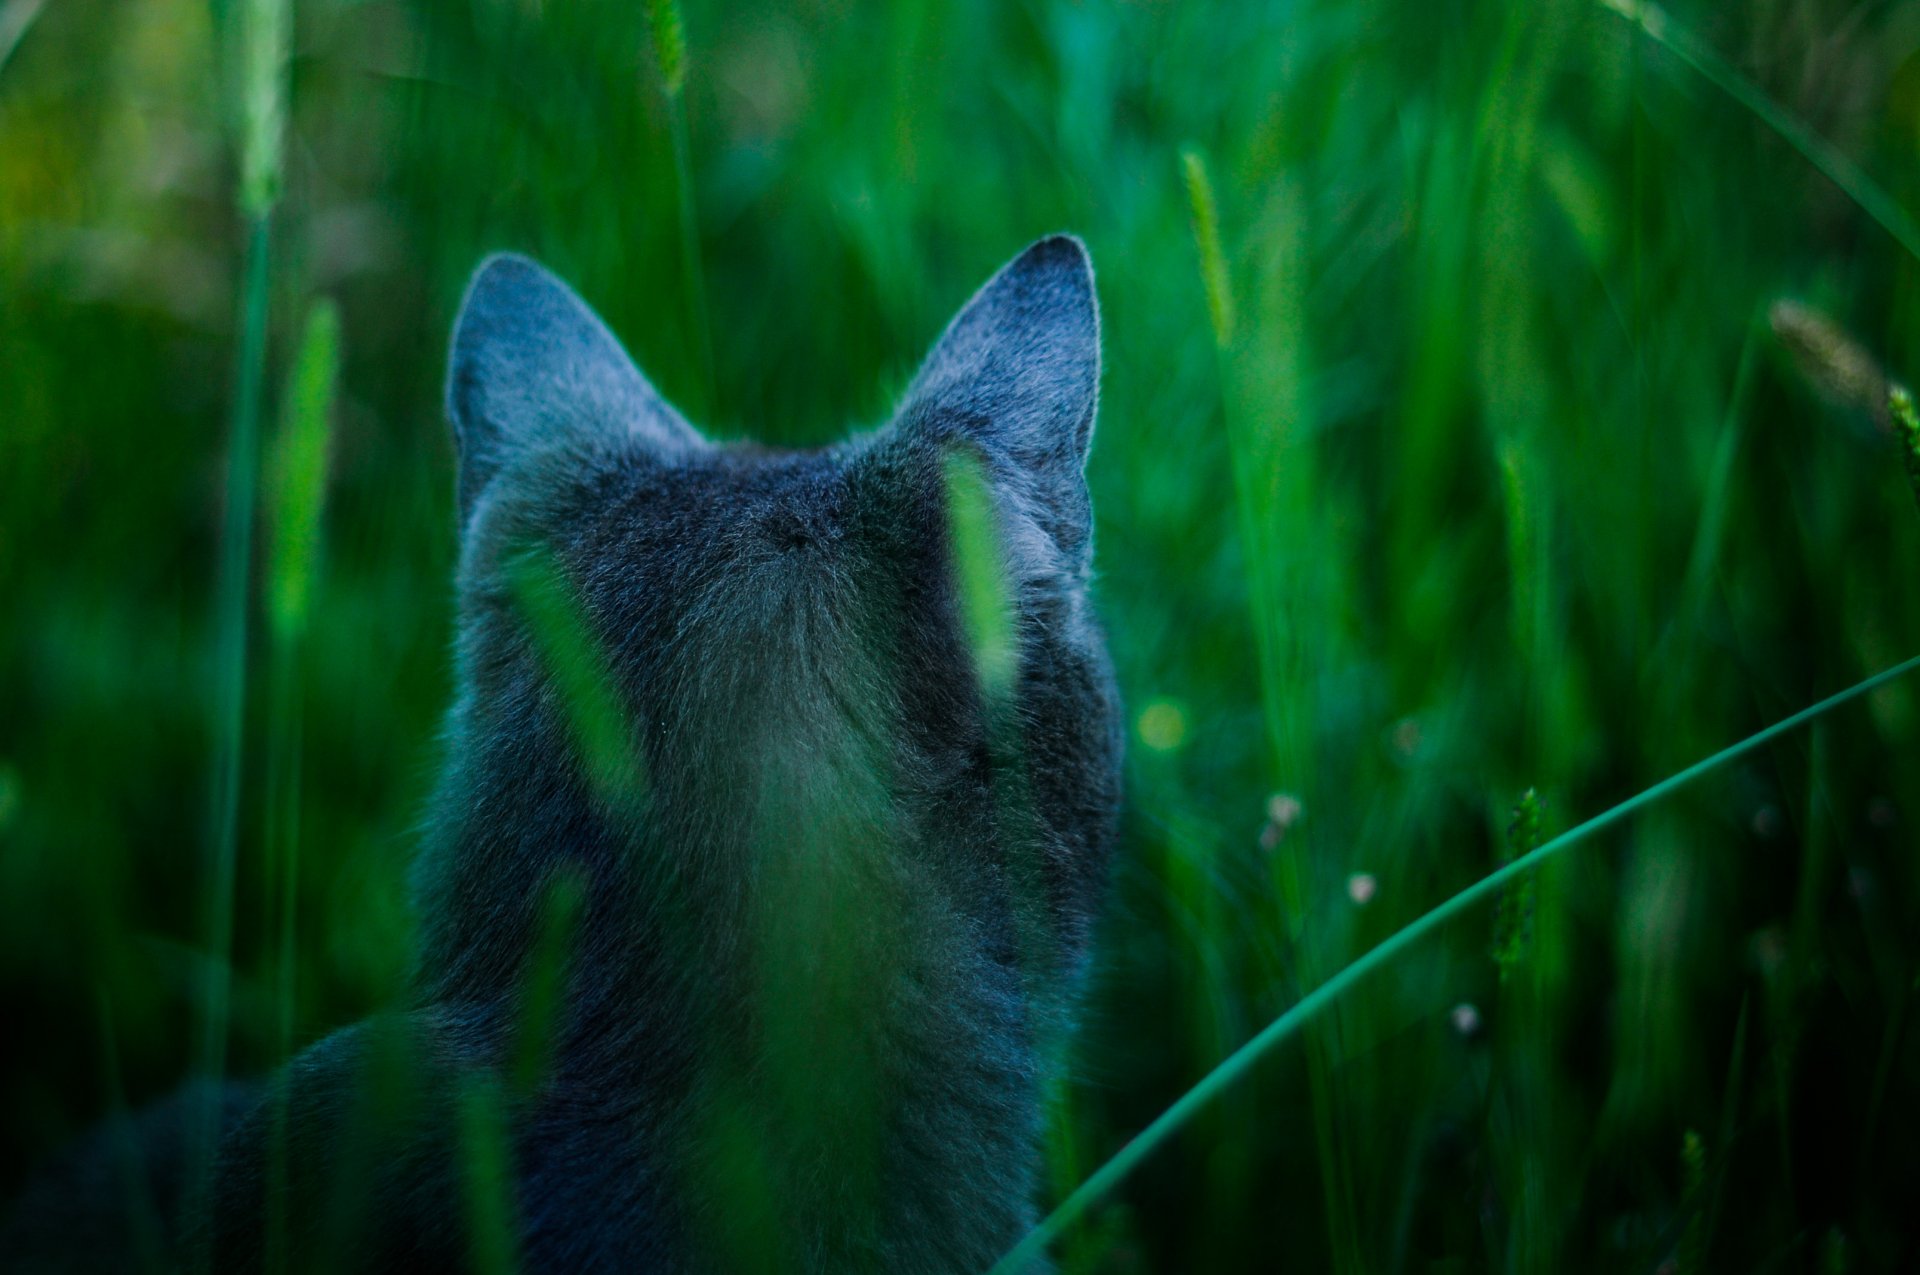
(15, 17)
(487, 1143)
(1822, 154)
(1236, 1064)
(1906, 425)
(263, 49)
(295, 492)
(231, 692)
(668, 28)
(563, 636)
(297, 473)
(1205, 215)
(987, 609)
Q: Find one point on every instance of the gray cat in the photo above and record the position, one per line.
(756, 890)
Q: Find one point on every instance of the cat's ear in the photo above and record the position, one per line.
(533, 366)
(1017, 373)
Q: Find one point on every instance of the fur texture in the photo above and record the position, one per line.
(809, 940)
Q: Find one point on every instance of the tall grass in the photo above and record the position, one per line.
(1108, 1175)
(259, 101)
(1455, 441)
(296, 480)
(669, 29)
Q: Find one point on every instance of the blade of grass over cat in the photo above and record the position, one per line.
(986, 610)
(489, 1178)
(295, 492)
(608, 749)
(262, 48)
(1236, 1065)
(545, 983)
(1872, 198)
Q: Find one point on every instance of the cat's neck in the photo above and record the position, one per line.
(797, 1003)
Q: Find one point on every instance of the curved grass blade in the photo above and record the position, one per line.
(1236, 1064)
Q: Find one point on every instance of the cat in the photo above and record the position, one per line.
(778, 802)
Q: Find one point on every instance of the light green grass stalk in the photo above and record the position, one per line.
(544, 989)
(669, 31)
(986, 606)
(296, 482)
(491, 1211)
(297, 475)
(262, 46)
(1206, 238)
(1261, 366)
(605, 740)
(1822, 154)
(1238, 1063)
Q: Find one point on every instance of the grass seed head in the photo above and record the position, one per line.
(1906, 427)
(1837, 367)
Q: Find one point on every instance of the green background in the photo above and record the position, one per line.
(1529, 493)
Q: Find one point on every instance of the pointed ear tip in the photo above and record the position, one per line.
(500, 273)
(1062, 243)
(504, 264)
(1059, 252)
(1061, 264)
(490, 295)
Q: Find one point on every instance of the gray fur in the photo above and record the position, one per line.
(829, 933)
(531, 364)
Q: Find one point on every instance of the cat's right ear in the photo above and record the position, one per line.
(532, 366)
(1017, 373)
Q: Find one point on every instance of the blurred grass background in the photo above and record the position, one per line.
(1487, 470)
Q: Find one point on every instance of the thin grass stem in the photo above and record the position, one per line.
(1236, 1064)
(258, 126)
(670, 54)
(231, 690)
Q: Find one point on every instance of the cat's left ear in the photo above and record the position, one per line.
(1017, 373)
(532, 366)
